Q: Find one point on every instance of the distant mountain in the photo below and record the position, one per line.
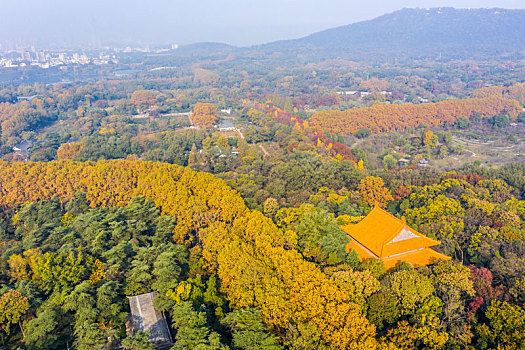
(203, 49)
(417, 33)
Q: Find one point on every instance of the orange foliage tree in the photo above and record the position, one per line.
(514, 92)
(69, 150)
(374, 85)
(142, 99)
(204, 115)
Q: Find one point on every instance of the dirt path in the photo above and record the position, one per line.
(358, 142)
(473, 154)
(263, 149)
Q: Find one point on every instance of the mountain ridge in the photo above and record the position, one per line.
(441, 32)
(455, 33)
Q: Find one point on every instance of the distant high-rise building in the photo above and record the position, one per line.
(26, 55)
(41, 56)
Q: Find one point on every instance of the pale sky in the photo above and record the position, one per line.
(236, 22)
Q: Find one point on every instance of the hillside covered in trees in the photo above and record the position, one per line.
(228, 181)
(78, 237)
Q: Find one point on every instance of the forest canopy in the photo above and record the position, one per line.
(381, 118)
(246, 250)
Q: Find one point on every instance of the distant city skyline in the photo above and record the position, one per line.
(66, 23)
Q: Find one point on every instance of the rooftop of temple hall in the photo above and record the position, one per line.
(381, 235)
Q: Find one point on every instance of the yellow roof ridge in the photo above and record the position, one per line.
(403, 224)
(418, 251)
(391, 237)
(364, 248)
(421, 257)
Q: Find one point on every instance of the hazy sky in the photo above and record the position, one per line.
(236, 22)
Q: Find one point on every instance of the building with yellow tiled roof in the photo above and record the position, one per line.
(381, 235)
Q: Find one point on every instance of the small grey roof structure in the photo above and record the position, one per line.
(423, 163)
(23, 146)
(146, 318)
(226, 125)
(25, 98)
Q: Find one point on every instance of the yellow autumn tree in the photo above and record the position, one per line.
(204, 115)
(13, 305)
(373, 191)
(18, 268)
(424, 335)
(69, 150)
(97, 272)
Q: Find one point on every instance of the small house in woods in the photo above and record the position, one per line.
(227, 125)
(403, 162)
(144, 317)
(423, 163)
(21, 150)
(381, 235)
